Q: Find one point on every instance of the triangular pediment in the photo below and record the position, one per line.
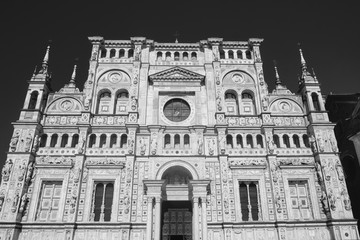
(176, 74)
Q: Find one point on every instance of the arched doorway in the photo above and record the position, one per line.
(176, 214)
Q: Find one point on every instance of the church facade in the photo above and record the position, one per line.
(174, 141)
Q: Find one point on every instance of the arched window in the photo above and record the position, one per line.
(315, 100)
(306, 140)
(247, 103)
(239, 54)
(121, 53)
(167, 143)
(239, 141)
(53, 141)
(231, 54)
(286, 140)
(177, 140)
(168, 56)
(103, 53)
(296, 140)
(43, 140)
(102, 202)
(64, 140)
(75, 140)
(112, 53)
(249, 141)
(222, 54)
(92, 140)
(123, 141)
(102, 140)
(276, 140)
(249, 201)
(159, 56)
(33, 100)
(229, 141)
(113, 140)
(131, 53)
(122, 98)
(186, 141)
(248, 54)
(231, 102)
(176, 56)
(193, 56)
(104, 102)
(185, 56)
(259, 141)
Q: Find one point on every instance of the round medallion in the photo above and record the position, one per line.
(115, 77)
(238, 78)
(284, 106)
(66, 105)
(177, 110)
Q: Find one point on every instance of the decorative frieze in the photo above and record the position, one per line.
(109, 120)
(244, 121)
(51, 161)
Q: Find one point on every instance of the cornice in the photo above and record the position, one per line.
(176, 74)
(173, 46)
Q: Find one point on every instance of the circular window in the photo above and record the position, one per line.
(176, 110)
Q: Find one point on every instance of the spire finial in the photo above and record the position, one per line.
(73, 75)
(314, 75)
(302, 59)
(46, 60)
(278, 81)
(176, 35)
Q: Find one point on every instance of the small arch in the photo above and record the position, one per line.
(249, 141)
(248, 54)
(159, 56)
(104, 101)
(121, 53)
(247, 102)
(193, 56)
(167, 143)
(185, 56)
(103, 53)
(229, 141)
(231, 54)
(176, 56)
(92, 140)
(177, 175)
(122, 98)
(296, 140)
(112, 53)
(179, 163)
(33, 100)
(315, 100)
(276, 140)
(177, 140)
(239, 141)
(102, 140)
(54, 139)
(286, 141)
(113, 140)
(231, 102)
(306, 141)
(75, 140)
(259, 141)
(222, 54)
(64, 140)
(168, 56)
(131, 53)
(239, 54)
(43, 140)
(186, 141)
(123, 141)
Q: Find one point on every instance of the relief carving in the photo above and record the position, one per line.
(6, 171)
(154, 145)
(47, 160)
(248, 162)
(15, 202)
(211, 146)
(332, 200)
(36, 144)
(22, 171)
(200, 144)
(346, 199)
(142, 144)
(24, 201)
(271, 145)
(27, 141)
(105, 161)
(14, 141)
(339, 171)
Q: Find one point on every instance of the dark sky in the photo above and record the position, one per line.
(327, 30)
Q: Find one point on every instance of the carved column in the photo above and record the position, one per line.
(204, 221)
(195, 218)
(149, 219)
(157, 232)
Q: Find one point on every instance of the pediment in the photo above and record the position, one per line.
(176, 74)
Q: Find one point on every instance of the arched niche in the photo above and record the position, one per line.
(65, 105)
(285, 106)
(238, 77)
(189, 168)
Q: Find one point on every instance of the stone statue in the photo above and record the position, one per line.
(274, 167)
(200, 145)
(278, 202)
(327, 170)
(142, 146)
(36, 144)
(271, 145)
(321, 143)
(22, 171)
(14, 140)
(222, 145)
(29, 171)
(131, 146)
(265, 103)
(6, 171)
(339, 171)
(15, 203)
(211, 146)
(81, 144)
(138, 53)
(318, 172)
(346, 199)
(76, 176)
(215, 53)
(313, 144)
(23, 203)
(324, 202)
(28, 140)
(153, 146)
(85, 174)
(332, 200)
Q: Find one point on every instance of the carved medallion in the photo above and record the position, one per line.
(66, 105)
(238, 78)
(115, 77)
